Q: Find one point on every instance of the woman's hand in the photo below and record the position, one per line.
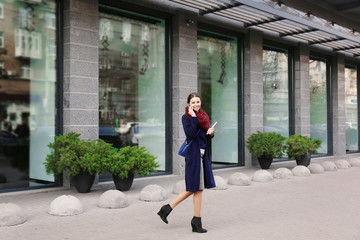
(191, 111)
(210, 131)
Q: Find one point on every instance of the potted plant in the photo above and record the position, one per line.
(300, 147)
(81, 159)
(266, 146)
(127, 162)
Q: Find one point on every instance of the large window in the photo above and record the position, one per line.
(318, 103)
(132, 106)
(27, 93)
(351, 109)
(218, 86)
(276, 91)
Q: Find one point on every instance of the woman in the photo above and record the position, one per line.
(198, 172)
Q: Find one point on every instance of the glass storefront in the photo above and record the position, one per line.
(276, 91)
(27, 91)
(318, 103)
(132, 106)
(218, 87)
(351, 110)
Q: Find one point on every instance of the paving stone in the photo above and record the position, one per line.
(66, 205)
(354, 162)
(113, 199)
(239, 179)
(153, 193)
(301, 171)
(283, 173)
(262, 176)
(316, 168)
(342, 164)
(329, 166)
(11, 215)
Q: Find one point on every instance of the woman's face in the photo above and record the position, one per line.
(195, 102)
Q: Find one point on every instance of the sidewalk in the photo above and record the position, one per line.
(321, 206)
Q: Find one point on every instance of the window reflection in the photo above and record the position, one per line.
(276, 92)
(27, 92)
(217, 82)
(351, 109)
(318, 103)
(132, 82)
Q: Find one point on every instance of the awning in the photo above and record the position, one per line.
(252, 14)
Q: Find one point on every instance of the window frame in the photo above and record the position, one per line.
(217, 33)
(353, 65)
(272, 46)
(327, 59)
(130, 11)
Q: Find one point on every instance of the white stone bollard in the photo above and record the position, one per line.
(283, 173)
(153, 193)
(342, 164)
(239, 179)
(66, 205)
(354, 162)
(11, 215)
(220, 183)
(179, 186)
(329, 166)
(301, 171)
(316, 168)
(262, 176)
(113, 199)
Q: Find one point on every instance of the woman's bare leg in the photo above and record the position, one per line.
(197, 203)
(180, 197)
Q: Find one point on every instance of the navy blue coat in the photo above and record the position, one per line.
(192, 158)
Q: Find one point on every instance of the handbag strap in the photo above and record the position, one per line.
(194, 137)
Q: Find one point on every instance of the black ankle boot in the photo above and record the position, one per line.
(196, 225)
(164, 212)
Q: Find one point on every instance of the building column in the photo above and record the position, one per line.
(302, 90)
(253, 89)
(184, 77)
(338, 104)
(81, 71)
(80, 79)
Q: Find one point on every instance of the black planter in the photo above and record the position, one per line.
(265, 162)
(83, 181)
(124, 184)
(305, 159)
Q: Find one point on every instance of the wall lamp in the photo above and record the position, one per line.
(189, 21)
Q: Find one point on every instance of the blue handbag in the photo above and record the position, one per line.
(185, 146)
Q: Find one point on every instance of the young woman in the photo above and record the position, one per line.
(198, 172)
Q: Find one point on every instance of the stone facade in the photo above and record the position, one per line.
(80, 77)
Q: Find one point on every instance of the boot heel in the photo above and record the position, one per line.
(193, 227)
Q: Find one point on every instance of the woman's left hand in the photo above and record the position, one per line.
(210, 131)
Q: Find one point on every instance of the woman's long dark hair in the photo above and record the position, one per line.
(192, 95)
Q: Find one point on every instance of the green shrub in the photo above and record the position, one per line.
(128, 159)
(299, 145)
(266, 144)
(70, 153)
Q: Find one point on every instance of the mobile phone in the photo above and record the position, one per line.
(214, 124)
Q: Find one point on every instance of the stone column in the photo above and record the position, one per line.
(184, 77)
(80, 83)
(338, 104)
(81, 71)
(253, 88)
(302, 90)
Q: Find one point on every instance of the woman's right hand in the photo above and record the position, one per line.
(191, 111)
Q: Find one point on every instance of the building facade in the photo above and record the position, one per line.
(122, 70)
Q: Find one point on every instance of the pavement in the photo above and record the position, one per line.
(316, 207)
